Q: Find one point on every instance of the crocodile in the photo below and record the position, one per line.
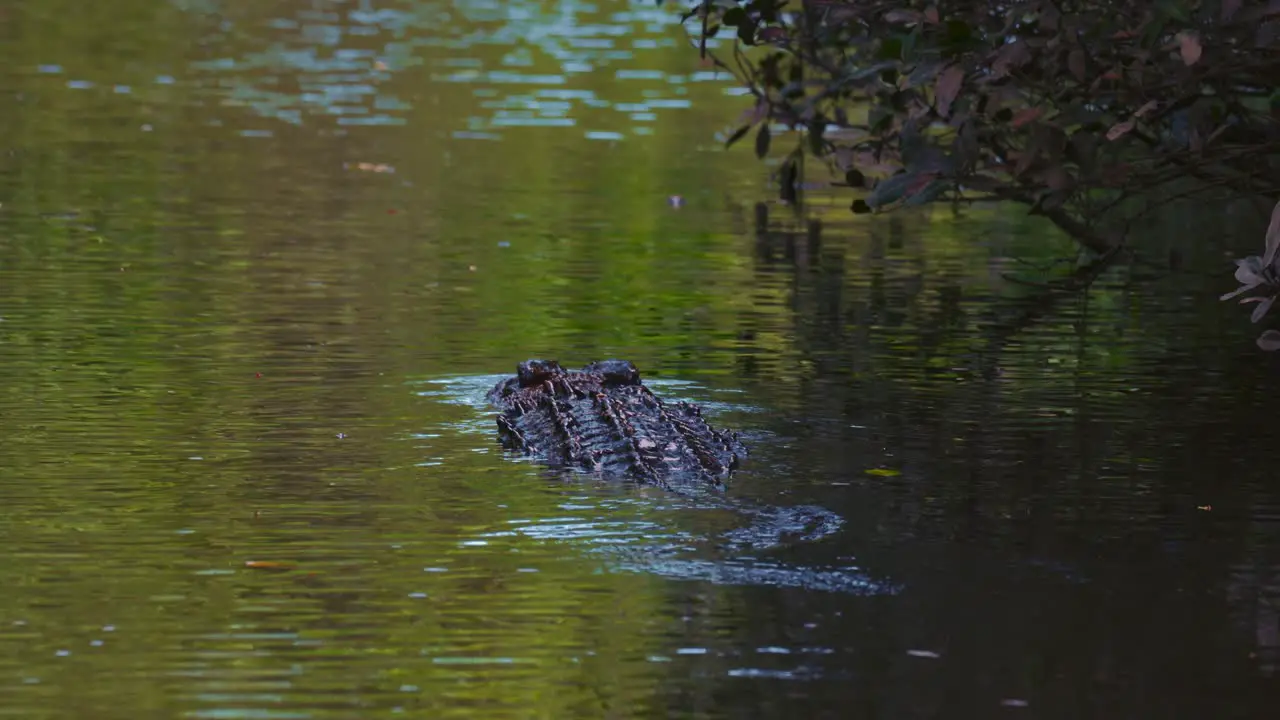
(603, 419)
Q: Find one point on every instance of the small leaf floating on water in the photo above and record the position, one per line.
(1205, 508)
(1014, 702)
(371, 167)
(883, 472)
(1269, 340)
(268, 565)
(924, 654)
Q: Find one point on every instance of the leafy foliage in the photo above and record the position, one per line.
(1071, 108)
(1262, 274)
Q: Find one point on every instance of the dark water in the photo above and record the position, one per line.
(259, 261)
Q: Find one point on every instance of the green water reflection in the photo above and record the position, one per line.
(258, 260)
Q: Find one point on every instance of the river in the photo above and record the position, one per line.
(260, 261)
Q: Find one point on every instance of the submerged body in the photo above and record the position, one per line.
(603, 419)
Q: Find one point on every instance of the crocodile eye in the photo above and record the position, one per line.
(615, 372)
(536, 372)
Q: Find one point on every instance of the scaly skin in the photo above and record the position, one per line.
(603, 419)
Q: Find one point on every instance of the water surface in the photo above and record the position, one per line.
(258, 263)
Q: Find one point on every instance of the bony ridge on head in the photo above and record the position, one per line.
(535, 372)
(615, 372)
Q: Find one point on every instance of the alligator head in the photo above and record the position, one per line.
(603, 418)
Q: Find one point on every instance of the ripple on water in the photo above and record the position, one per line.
(646, 534)
(537, 65)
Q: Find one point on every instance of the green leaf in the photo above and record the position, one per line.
(762, 140)
(880, 118)
(891, 190)
(816, 145)
(890, 49)
(958, 32)
(787, 192)
(906, 186)
(909, 45)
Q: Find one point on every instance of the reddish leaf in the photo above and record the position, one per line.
(1028, 156)
(1119, 130)
(1075, 63)
(1058, 178)
(774, 35)
(948, 87)
(927, 194)
(919, 182)
(1146, 109)
(931, 15)
(1214, 135)
(902, 16)
(1011, 55)
(1189, 46)
(1025, 116)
